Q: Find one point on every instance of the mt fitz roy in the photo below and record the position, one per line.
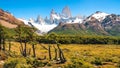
(98, 23)
(47, 24)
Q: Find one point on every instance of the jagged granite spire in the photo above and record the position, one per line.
(40, 20)
(66, 11)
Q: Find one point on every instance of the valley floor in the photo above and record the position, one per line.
(77, 55)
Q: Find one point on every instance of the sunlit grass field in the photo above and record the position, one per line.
(91, 55)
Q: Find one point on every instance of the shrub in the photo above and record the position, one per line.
(115, 59)
(78, 63)
(35, 62)
(97, 61)
(23, 63)
(16, 63)
(3, 56)
(87, 65)
(49, 64)
(118, 64)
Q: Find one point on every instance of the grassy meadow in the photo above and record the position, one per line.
(77, 55)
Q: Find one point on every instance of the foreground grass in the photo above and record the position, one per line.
(77, 55)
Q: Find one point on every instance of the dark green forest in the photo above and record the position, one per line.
(78, 39)
(52, 38)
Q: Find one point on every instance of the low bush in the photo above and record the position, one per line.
(16, 63)
(78, 63)
(118, 64)
(97, 61)
(23, 63)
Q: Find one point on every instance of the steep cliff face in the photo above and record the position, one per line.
(66, 12)
(8, 20)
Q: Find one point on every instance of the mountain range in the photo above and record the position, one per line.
(44, 25)
(98, 23)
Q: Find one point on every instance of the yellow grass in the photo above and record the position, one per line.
(87, 52)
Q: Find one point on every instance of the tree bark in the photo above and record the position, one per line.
(3, 44)
(49, 52)
(0, 38)
(0, 43)
(33, 47)
(61, 55)
(9, 45)
(55, 52)
(21, 45)
(20, 40)
(25, 54)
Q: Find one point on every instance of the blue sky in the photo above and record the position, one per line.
(33, 8)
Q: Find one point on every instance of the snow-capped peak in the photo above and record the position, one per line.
(78, 20)
(99, 16)
(31, 20)
(66, 12)
(54, 15)
(40, 20)
(44, 28)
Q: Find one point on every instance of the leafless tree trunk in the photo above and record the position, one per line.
(49, 52)
(4, 44)
(0, 43)
(9, 45)
(55, 49)
(33, 47)
(25, 49)
(61, 55)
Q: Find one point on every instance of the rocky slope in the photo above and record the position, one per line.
(98, 23)
(8, 20)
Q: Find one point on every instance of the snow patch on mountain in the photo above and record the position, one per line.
(44, 25)
(55, 16)
(78, 20)
(25, 21)
(40, 20)
(44, 28)
(99, 16)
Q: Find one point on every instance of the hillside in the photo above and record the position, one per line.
(8, 20)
